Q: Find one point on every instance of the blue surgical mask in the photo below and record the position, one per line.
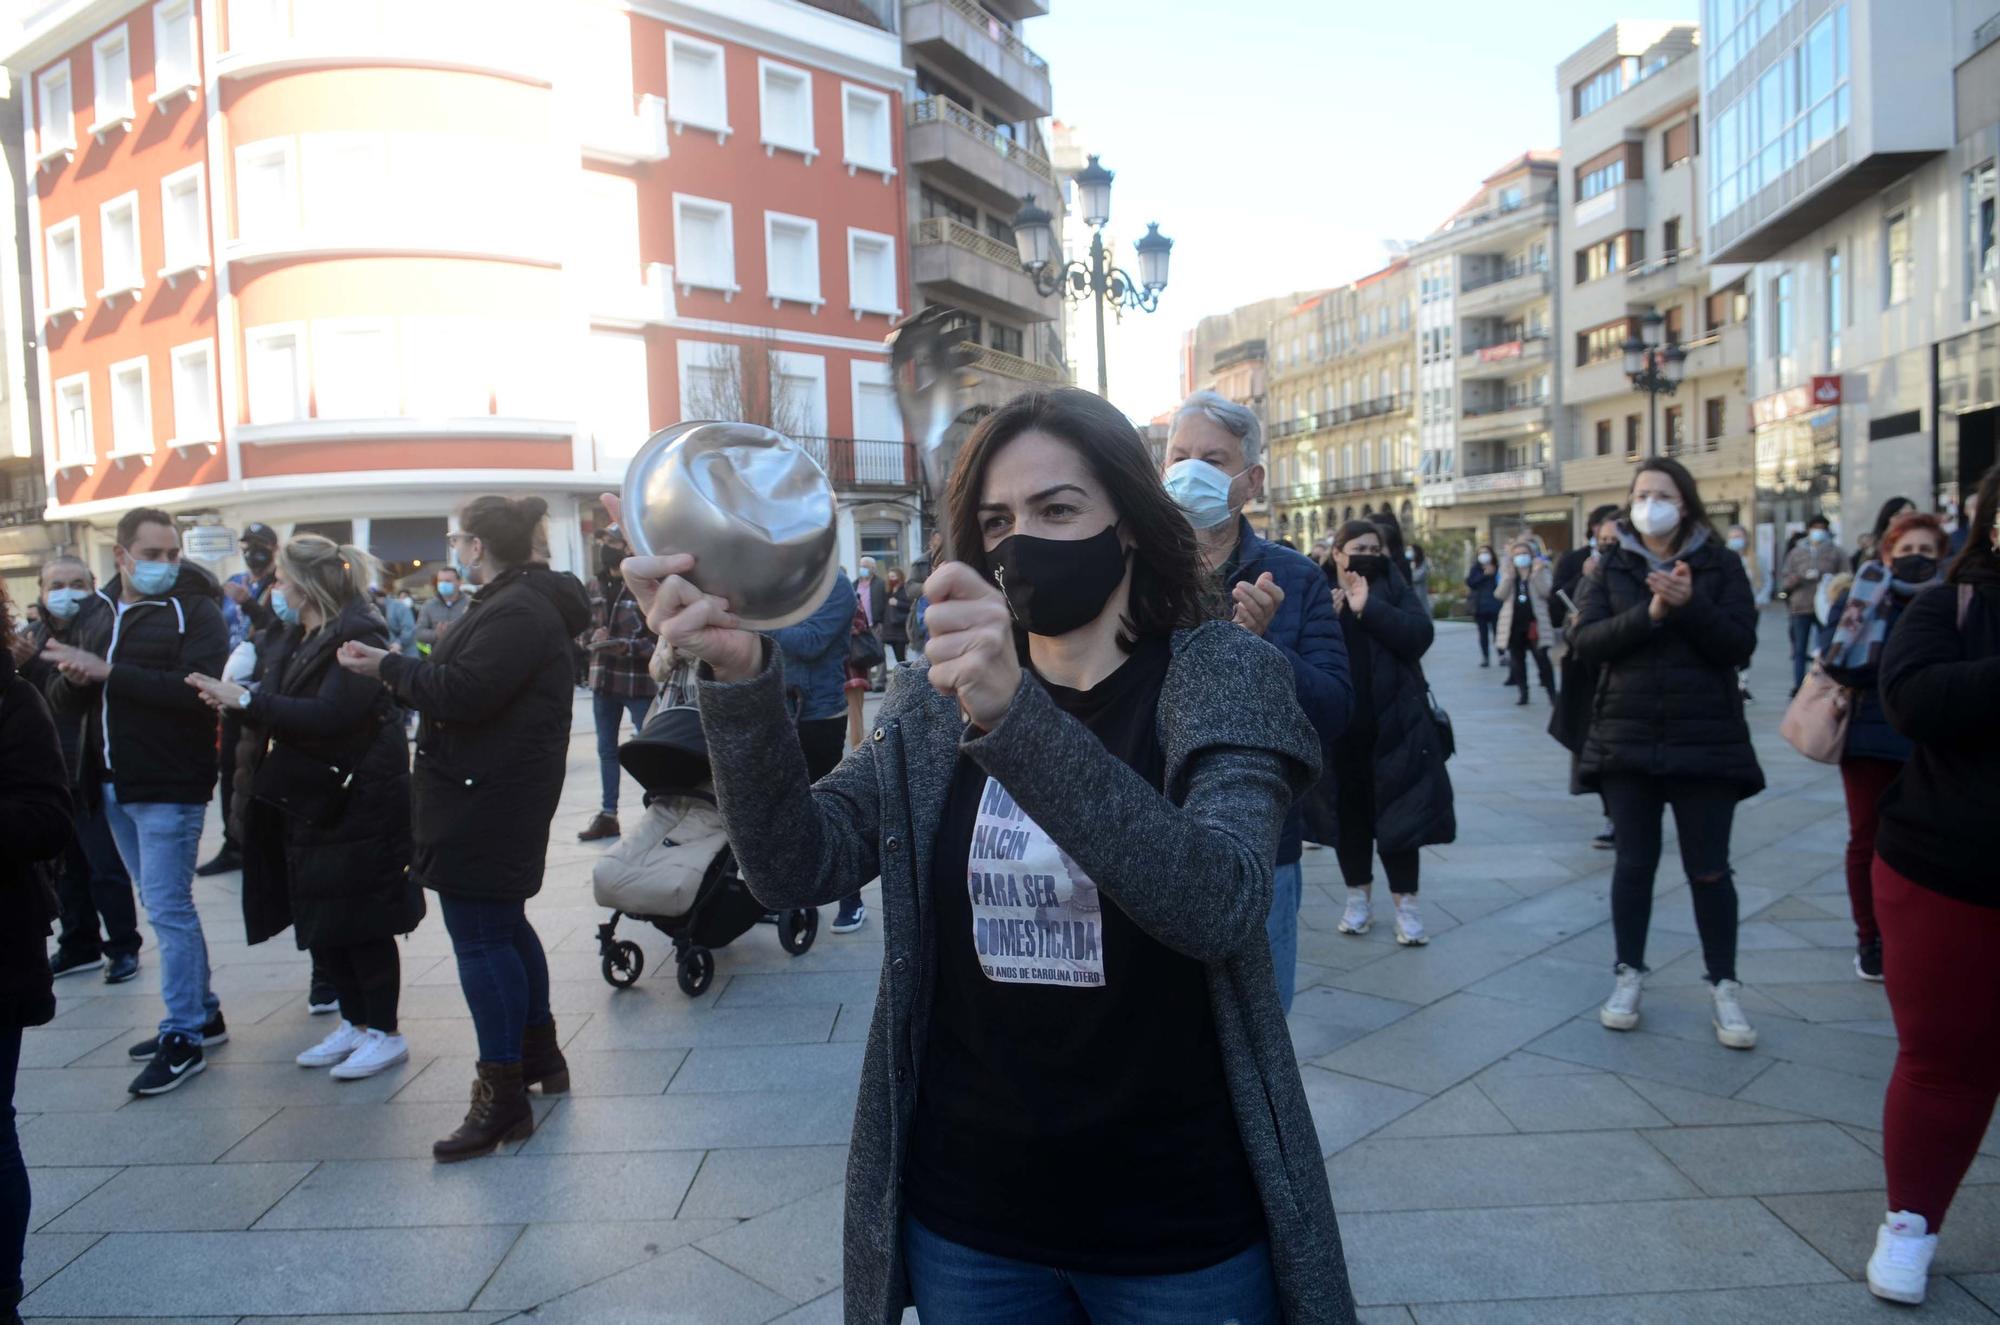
(1523, 560)
(62, 604)
(1818, 535)
(153, 578)
(447, 589)
(283, 609)
(866, 573)
(1737, 543)
(1201, 490)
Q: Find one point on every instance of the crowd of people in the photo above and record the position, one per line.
(1115, 720)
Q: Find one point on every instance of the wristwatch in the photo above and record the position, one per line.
(243, 700)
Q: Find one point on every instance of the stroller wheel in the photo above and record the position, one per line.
(697, 969)
(797, 929)
(623, 962)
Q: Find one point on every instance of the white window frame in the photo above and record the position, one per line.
(886, 167)
(868, 372)
(74, 452)
(113, 116)
(286, 149)
(728, 286)
(811, 368)
(176, 357)
(707, 354)
(814, 297)
(253, 339)
(766, 67)
(325, 330)
(55, 303)
(126, 448)
(164, 90)
(178, 265)
(55, 140)
(854, 303)
(683, 116)
(129, 199)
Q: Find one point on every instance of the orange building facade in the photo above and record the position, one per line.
(339, 264)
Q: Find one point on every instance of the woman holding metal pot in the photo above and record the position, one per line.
(1074, 809)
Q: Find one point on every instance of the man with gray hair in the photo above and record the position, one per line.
(1213, 470)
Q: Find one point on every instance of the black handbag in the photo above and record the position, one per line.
(305, 786)
(864, 651)
(1447, 739)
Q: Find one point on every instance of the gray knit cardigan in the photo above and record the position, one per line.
(1192, 868)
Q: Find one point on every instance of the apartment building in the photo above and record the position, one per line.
(1486, 328)
(1853, 162)
(976, 149)
(24, 539)
(337, 264)
(1633, 176)
(1229, 353)
(1342, 406)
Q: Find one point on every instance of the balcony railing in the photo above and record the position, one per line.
(1011, 365)
(1665, 262)
(863, 464)
(944, 230)
(1482, 282)
(1001, 34)
(943, 110)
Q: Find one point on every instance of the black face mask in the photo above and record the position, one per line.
(1055, 585)
(257, 559)
(1914, 570)
(1368, 565)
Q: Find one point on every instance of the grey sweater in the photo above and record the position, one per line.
(1192, 868)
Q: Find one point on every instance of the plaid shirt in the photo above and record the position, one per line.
(621, 673)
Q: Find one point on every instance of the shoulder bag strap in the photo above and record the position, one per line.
(1964, 603)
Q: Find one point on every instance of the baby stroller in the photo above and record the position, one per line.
(675, 871)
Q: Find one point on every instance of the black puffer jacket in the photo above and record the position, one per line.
(34, 829)
(496, 699)
(348, 881)
(1667, 703)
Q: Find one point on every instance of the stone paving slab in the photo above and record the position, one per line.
(522, 1189)
(165, 1198)
(1811, 1304)
(685, 1286)
(1471, 1172)
(1841, 1225)
(550, 1260)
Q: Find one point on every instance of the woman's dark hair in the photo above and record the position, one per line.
(1598, 515)
(1891, 508)
(1392, 533)
(508, 527)
(1421, 559)
(1978, 555)
(1170, 586)
(1694, 515)
(1354, 529)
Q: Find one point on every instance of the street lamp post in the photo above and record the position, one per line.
(1034, 235)
(1655, 368)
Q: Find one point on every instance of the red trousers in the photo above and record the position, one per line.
(1864, 780)
(1941, 964)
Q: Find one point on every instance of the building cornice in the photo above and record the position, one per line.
(794, 31)
(62, 26)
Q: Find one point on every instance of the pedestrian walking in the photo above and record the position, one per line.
(1390, 793)
(1119, 1022)
(1525, 622)
(98, 922)
(1813, 559)
(1480, 582)
(1874, 752)
(494, 701)
(871, 596)
(815, 654)
(150, 754)
(1666, 616)
(1737, 540)
(895, 632)
(1212, 471)
(326, 823)
(621, 679)
(35, 826)
(1937, 897)
(246, 613)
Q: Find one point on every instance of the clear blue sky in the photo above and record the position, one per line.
(1279, 142)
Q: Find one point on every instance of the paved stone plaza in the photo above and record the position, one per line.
(1495, 1154)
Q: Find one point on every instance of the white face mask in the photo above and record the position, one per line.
(1523, 560)
(1486, 558)
(1202, 491)
(1654, 517)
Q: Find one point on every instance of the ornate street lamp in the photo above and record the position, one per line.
(1035, 237)
(1655, 368)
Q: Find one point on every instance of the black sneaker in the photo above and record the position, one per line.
(67, 963)
(849, 918)
(215, 1032)
(119, 969)
(178, 1059)
(1868, 961)
(321, 999)
(1605, 842)
(223, 862)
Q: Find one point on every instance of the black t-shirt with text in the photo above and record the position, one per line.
(1073, 1111)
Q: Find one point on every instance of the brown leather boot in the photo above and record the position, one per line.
(500, 1113)
(542, 1062)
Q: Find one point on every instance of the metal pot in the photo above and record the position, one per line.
(755, 510)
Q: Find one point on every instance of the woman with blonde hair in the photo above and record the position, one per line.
(326, 825)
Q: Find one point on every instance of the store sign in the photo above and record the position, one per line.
(1494, 353)
(208, 542)
(1826, 391)
(1823, 393)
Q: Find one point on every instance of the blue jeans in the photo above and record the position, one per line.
(501, 968)
(1281, 927)
(14, 1194)
(1805, 628)
(158, 841)
(966, 1287)
(609, 710)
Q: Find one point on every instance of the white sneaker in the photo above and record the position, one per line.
(1410, 922)
(345, 1039)
(1621, 1011)
(376, 1053)
(1731, 1026)
(1901, 1264)
(1359, 915)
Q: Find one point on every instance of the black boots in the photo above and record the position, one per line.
(542, 1060)
(500, 1113)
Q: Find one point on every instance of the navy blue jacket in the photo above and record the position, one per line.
(816, 654)
(1307, 632)
(1481, 581)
